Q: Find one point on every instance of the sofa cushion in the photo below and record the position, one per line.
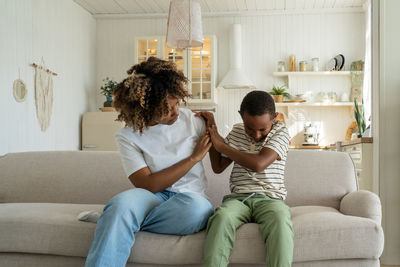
(324, 233)
(80, 177)
(46, 228)
(311, 177)
(318, 178)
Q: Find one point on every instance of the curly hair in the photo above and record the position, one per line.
(142, 96)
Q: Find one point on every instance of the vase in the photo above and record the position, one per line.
(278, 98)
(108, 102)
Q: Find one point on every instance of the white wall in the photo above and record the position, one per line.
(267, 39)
(64, 34)
(389, 128)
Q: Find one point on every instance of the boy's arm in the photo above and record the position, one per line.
(218, 162)
(256, 162)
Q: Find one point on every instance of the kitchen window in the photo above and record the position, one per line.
(198, 64)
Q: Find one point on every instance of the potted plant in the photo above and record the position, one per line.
(107, 89)
(359, 116)
(278, 93)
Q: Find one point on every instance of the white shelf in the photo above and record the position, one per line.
(316, 104)
(311, 73)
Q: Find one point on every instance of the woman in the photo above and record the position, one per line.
(161, 149)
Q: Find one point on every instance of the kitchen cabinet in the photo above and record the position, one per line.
(98, 130)
(361, 152)
(198, 64)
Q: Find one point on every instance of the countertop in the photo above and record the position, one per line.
(360, 140)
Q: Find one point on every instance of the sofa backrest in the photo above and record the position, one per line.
(311, 177)
(320, 178)
(61, 177)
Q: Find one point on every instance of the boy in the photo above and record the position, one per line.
(258, 148)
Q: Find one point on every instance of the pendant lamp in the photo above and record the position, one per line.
(184, 27)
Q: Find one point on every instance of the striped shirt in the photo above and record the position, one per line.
(271, 180)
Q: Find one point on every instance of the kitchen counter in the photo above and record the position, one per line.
(361, 140)
(361, 152)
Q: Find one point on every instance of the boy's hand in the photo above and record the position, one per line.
(201, 148)
(216, 139)
(208, 117)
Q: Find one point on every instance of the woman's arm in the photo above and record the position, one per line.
(156, 182)
(218, 162)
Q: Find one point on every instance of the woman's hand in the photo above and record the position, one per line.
(201, 148)
(216, 139)
(208, 117)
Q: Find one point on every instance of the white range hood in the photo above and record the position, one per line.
(236, 77)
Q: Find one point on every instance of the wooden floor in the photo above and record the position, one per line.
(383, 265)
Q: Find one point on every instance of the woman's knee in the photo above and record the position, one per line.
(195, 205)
(127, 200)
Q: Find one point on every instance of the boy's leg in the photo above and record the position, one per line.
(221, 231)
(117, 225)
(273, 216)
(181, 214)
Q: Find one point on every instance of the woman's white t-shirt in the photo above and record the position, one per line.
(161, 146)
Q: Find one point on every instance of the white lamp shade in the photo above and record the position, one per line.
(184, 27)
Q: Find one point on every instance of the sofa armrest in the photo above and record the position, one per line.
(362, 203)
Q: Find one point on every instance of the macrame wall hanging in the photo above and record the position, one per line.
(43, 94)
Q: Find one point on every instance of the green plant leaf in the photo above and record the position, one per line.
(108, 87)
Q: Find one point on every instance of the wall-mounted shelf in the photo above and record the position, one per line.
(316, 104)
(311, 73)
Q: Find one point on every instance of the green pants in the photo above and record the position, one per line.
(273, 217)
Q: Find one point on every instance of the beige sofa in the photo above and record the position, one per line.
(41, 194)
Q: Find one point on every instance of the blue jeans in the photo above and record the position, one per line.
(140, 210)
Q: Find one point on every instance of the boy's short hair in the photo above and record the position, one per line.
(257, 103)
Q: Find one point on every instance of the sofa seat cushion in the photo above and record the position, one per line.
(46, 228)
(321, 233)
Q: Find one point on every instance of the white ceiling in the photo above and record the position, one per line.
(159, 7)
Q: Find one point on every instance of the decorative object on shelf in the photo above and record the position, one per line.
(184, 27)
(107, 89)
(353, 128)
(281, 66)
(344, 97)
(357, 65)
(331, 66)
(303, 65)
(278, 93)
(336, 63)
(280, 117)
(299, 97)
(332, 96)
(359, 116)
(323, 97)
(356, 79)
(339, 62)
(43, 94)
(315, 64)
(292, 63)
